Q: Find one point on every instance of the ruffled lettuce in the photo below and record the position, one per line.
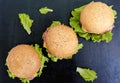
(75, 24)
(26, 22)
(54, 23)
(52, 57)
(87, 74)
(23, 80)
(42, 57)
(114, 11)
(80, 46)
(10, 74)
(45, 10)
(38, 74)
(55, 59)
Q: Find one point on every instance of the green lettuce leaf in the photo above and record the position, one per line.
(75, 24)
(80, 46)
(38, 74)
(26, 22)
(52, 57)
(10, 74)
(114, 11)
(87, 74)
(54, 23)
(45, 10)
(55, 59)
(43, 59)
(25, 80)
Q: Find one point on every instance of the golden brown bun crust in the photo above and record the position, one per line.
(61, 41)
(96, 17)
(23, 61)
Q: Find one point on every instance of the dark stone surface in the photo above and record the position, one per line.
(102, 57)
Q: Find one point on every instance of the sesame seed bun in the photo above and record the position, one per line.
(23, 61)
(96, 18)
(61, 41)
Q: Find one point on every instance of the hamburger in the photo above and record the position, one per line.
(94, 21)
(60, 41)
(25, 62)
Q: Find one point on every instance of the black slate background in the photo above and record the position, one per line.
(102, 57)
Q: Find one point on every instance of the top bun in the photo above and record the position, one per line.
(96, 18)
(61, 41)
(23, 61)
